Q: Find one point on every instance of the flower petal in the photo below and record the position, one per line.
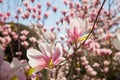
(118, 36)
(116, 43)
(15, 66)
(45, 49)
(58, 52)
(34, 54)
(58, 61)
(1, 56)
(37, 64)
(4, 70)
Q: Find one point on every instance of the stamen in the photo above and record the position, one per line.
(50, 64)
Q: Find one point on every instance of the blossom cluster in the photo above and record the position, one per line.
(83, 43)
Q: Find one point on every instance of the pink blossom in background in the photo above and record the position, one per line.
(26, 3)
(46, 14)
(39, 5)
(48, 3)
(47, 58)
(32, 39)
(24, 32)
(25, 44)
(32, 1)
(19, 10)
(23, 37)
(1, 1)
(106, 63)
(97, 59)
(54, 8)
(117, 56)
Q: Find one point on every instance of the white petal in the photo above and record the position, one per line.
(34, 54)
(45, 49)
(118, 36)
(37, 64)
(15, 66)
(116, 43)
(58, 51)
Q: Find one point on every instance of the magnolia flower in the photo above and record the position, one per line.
(11, 71)
(47, 58)
(77, 27)
(24, 32)
(1, 1)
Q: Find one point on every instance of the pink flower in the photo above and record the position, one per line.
(93, 73)
(26, 3)
(96, 65)
(106, 63)
(1, 1)
(19, 9)
(29, 8)
(32, 39)
(7, 39)
(75, 30)
(38, 5)
(34, 10)
(64, 12)
(47, 58)
(117, 56)
(106, 69)
(46, 14)
(39, 12)
(23, 37)
(33, 15)
(54, 8)
(32, 1)
(65, 2)
(25, 44)
(48, 3)
(71, 4)
(38, 17)
(24, 32)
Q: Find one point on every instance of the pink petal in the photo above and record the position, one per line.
(34, 54)
(4, 70)
(45, 49)
(37, 64)
(15, 66)
(1, 56)
(58, 51)
(58, 61)
(21, 75)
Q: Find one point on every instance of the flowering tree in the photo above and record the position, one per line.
(88, 48)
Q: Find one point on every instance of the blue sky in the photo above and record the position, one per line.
(11, 5)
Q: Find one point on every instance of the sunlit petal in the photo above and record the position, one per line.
(58, 51)
(34, 54)
(37, 64)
